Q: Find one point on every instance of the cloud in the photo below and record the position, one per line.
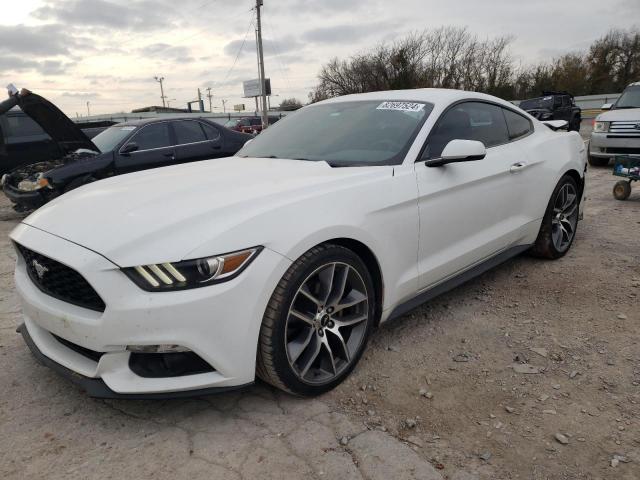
(45, 40)
(80, 94)
(136, 14)
(271, 47)
(165, 51)
(346, 32)
(14, 64)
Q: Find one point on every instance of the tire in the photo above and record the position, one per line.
(597, 161)
(574, 125)
(78, 182)
(560, 221)
(622, 190)
(293, 355)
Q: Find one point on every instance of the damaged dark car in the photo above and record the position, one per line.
(554, 106)
(119, 149)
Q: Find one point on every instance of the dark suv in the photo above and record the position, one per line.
(122, 148)
(554, 106)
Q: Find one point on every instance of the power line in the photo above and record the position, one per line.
(277, 52)
(244, 40)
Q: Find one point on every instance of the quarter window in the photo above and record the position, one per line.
(151, 136)
(483, 122)
(188, 132)
(518, 125)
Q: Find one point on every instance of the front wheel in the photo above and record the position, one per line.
(317, 323)
(560, 221)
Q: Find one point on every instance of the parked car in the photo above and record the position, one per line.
(554, 106)
(617, 130)
(23, 141)
(250, 125)
(123, 148)
(281, 260)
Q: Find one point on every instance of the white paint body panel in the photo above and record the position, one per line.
(422, 224)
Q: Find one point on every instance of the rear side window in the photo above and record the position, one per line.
(155, 135)
(518, 125)
(483, 122)
(188, 132)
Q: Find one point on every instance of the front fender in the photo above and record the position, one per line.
(97, 166)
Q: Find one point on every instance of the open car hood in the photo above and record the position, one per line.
(57, 125)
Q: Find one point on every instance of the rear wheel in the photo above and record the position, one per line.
(317, 323)
(622, 190)
(560, 221)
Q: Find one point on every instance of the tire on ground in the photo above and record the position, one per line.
(544, 246)
(272, 364)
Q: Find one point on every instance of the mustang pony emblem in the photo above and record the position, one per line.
(40, 269)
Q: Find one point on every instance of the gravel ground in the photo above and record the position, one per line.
(531, 371)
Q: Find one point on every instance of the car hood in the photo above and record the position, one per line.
(57, 125)
(622, 115)
(166, 214)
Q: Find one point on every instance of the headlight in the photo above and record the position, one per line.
(601, 127)
(191, 273)
(29, 186)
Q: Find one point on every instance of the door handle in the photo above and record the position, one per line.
(518, 167)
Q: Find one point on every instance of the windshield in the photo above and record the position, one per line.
(537, 103)
(344, 133)
(111, 137)
(630, 98)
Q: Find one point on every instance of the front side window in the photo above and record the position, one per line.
(152, 136)
(110, 138)
(468, 121)
(518, 125)
(212, 132)
(355, 133)
(188, 131)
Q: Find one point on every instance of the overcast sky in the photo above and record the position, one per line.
(108, 51)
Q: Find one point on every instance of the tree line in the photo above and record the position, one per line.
(453, 57)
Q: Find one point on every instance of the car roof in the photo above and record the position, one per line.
(147, 121)
(437, 96)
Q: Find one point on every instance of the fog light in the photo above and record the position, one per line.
(157, 348)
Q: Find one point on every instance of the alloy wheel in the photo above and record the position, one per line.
(326, 323)
(565, 217)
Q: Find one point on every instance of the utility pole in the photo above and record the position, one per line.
(209, 96)
(224, 105)
(88, 111)
(200, 102)
(160, 80)
(265, 114)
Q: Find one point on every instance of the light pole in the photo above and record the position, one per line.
(265, 113)
(160, 80)
(169, 100)
(224, 105)
(88, 111)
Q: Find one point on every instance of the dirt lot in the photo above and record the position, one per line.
(440, 393)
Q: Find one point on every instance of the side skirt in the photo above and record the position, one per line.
(457, 280)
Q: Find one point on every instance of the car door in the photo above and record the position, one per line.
(563, 111)
(192, 143)
(469, 211)
(154, 149)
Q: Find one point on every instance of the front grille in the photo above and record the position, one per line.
(625, 127)
(60, 281)
(623, 150)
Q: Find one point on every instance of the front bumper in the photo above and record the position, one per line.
(26, 200)
(219, 323)
(607, 145)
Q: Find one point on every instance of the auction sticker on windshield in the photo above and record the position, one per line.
(401, 106)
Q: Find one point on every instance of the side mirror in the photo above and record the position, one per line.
(129, 148)
(459, 151)
(607, 106)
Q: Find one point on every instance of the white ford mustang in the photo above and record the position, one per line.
(281, 260)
